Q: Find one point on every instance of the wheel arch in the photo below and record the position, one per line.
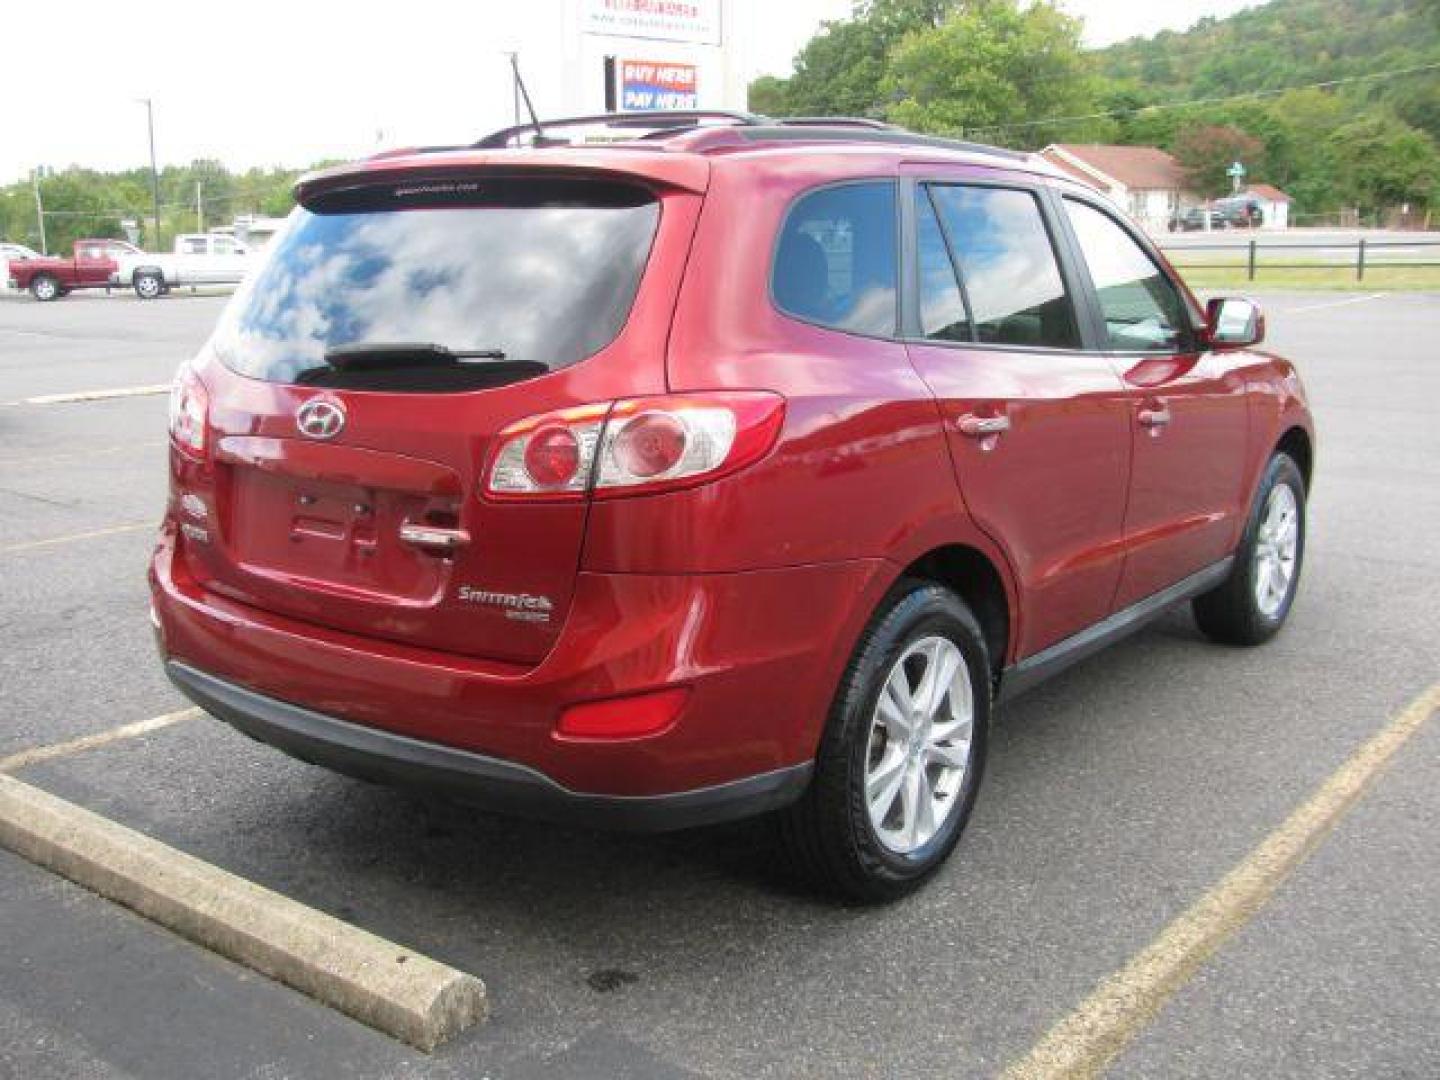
(975, 578)
(1297, 445)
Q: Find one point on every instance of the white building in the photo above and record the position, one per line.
(1274, 205)
(1146, 181)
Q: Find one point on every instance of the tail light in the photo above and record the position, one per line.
(189, 411)
(634, 447)
(631, 717)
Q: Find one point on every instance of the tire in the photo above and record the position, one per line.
(1251, 605)
(45, 288)
(149, 285)
(831, 833)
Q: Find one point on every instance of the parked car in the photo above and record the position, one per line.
(89, 267)
(198, 259)
(13, 253)
(1194, 218)
(16, 253)
(513, 475)
(1241, 212)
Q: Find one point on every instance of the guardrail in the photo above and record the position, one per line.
(1365, 257)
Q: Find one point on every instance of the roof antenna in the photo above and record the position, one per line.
(524, 93)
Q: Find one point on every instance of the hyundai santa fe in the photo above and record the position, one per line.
(730, 467)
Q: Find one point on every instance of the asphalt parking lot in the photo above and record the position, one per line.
(1117, 795)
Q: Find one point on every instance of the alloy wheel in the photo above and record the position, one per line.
(1276, 547)
(919, 748)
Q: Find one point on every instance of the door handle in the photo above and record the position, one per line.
(1155, 418)
(979, 426)
(433, 537)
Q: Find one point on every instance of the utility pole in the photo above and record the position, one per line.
(154, 172)
(199, 207)
(39, 210)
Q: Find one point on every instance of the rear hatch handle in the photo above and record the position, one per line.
(433, 538)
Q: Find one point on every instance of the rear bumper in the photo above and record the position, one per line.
(759, 654)
(372, 754)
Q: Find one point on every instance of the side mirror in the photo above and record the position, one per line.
(1234, 322)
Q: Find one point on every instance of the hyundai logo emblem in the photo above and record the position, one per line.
(320, 419)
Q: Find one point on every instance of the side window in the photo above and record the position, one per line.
(224, 246)
(1008, 266)
(942, 307)
(1143, 310)
(835, 262)
(194, 245)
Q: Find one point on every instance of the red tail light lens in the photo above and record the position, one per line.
(635, 447)
(548, 456)
(552, 456)
(189, 412)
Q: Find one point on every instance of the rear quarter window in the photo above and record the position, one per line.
(835, 260)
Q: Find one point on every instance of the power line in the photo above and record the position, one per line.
(1247, 96)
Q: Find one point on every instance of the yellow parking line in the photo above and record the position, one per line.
(113, 530)
(1086, 1040)
(104, 451)
(88, 742)
(99, 395)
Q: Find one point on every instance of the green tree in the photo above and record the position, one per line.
(1206, 151)
(1383, 161)
(840, 70)
(991, 67)
(769, 96)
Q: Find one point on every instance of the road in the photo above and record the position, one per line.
(1305, 245)
(1118, 794)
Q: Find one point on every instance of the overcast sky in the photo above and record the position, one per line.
(289, 82)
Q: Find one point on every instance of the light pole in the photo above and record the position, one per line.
(39, 210)
(154, 173)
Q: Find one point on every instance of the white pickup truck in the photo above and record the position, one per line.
(198, 259)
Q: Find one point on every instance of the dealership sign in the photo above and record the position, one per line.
(695, 21)
(647, 85)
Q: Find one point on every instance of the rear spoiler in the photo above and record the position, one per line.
(684, 172)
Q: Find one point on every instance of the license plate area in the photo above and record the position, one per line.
(325, 535)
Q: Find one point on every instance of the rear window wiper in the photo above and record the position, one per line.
(380, 354)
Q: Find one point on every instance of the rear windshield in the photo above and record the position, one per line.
(528, 270)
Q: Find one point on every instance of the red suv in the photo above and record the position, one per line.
(737, 466)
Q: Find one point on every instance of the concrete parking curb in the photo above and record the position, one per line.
(406, 995)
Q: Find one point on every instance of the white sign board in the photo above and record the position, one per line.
(694, 21)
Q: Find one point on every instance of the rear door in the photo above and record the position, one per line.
(187, 265)
(1037, 424)
(227, 264)
(349, 496)
(1187, 408)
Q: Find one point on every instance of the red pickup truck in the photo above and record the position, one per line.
(90, 268)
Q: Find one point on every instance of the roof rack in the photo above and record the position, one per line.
(749, 126)
(829, 121)
(895, 136)
(666, 120)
